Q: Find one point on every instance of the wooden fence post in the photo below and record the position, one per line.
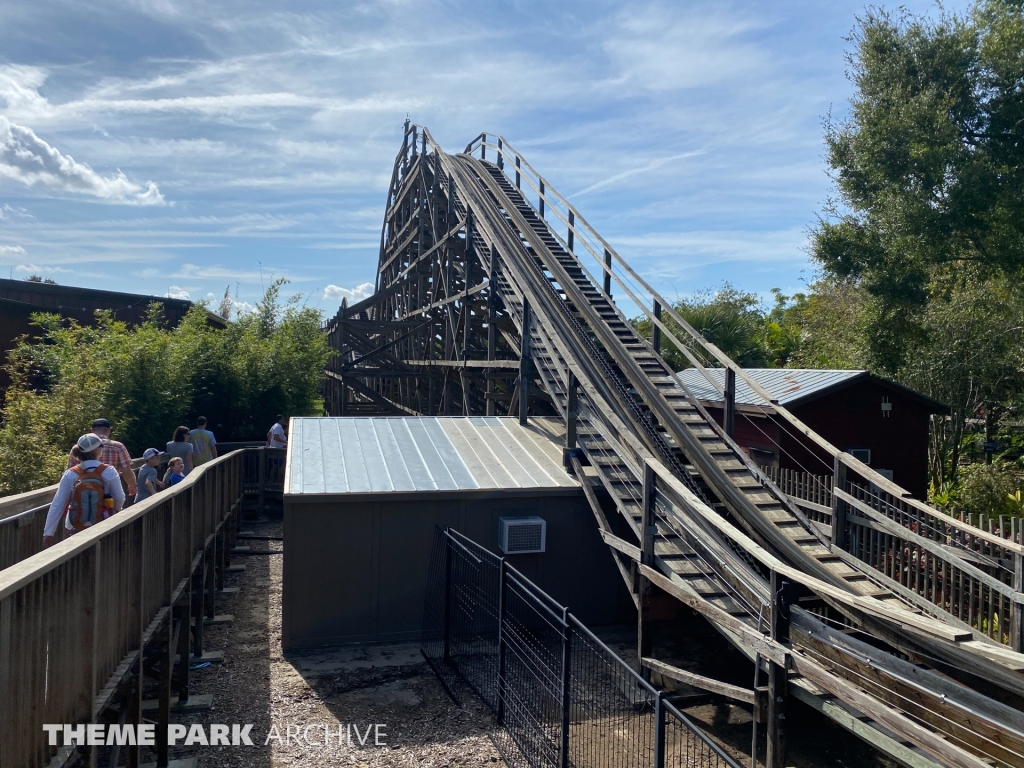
(1017, 618)
(838, 506)
(571, 419)
(524, 366)
(648, 529)
(655, 330)
(729, 418)
(778, 682)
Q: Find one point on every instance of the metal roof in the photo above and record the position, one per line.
(786, 385)
(348, 455)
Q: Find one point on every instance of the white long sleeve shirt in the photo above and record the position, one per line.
(111, 482)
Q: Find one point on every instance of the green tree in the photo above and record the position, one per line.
(928, 164)
(731, 319)
(148, 378)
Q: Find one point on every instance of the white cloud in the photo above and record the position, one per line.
(10, 211)
(26, 158)
(353, 295)
(174, 292)
(242, 307)
(12, 250)
(35, 269)
(661, 48)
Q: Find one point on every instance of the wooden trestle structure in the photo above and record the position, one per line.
(495, 297)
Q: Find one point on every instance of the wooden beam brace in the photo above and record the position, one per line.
(755, 640)
(699, 681)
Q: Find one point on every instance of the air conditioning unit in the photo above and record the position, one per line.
(522, 535)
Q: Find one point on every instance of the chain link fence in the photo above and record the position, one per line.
(560, 696)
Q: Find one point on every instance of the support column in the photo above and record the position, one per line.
(572, 231)
(838, 506)
(608, 272)
(655, 330)
(541, 206)
(571, 418)
(648, 530)
(778, 678)
(1017, 617)
(492, 329)
(730, 402)
(524, 365)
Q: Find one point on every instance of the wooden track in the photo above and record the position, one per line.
(472, 271)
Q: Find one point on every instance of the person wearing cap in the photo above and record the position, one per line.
(87, 453)
(113, 454)
(148, 483)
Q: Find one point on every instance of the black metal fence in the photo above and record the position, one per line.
(560, 696)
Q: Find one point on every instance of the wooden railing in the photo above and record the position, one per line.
(977, 575)
(76, 618)
(23, 516)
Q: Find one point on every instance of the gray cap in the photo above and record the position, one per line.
(89, 442)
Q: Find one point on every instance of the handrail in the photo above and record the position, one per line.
(578, 225)
(96, 599)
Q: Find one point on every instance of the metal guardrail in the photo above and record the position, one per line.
(561, 696)
(76, 619)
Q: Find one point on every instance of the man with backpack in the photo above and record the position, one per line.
(113, 454)
(89, 492)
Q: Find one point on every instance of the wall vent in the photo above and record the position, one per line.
(522, 535)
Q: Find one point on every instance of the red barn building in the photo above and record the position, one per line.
(880, 422)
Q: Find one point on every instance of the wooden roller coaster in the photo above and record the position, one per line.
(495, 297)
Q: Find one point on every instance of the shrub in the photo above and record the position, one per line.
(148, 379)
(988, 489)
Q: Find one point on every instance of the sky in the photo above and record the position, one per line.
(191, 148)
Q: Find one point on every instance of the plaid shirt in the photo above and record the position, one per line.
(113, 454)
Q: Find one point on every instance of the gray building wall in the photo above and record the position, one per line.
(355, 571)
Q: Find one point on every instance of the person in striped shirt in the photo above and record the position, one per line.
(113, 454)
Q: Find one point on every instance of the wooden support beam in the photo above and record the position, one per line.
(729, 419)
(525, 374)
(602, 523)
(735, 692)
(754, 640)
(947, 753)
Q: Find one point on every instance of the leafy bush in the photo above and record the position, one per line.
(989, 489)
(148, 379)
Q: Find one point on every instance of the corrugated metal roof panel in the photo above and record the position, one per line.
(784, 384)
(401, 454)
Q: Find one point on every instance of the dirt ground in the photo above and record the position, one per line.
(289, 701)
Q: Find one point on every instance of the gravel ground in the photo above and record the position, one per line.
(342, 689)
(349, 690)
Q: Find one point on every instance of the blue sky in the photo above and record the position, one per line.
(180, 148)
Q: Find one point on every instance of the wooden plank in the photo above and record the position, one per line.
(863, 730)
(464, 363)
(948, 754)
(870, 606)
(755, 640)
(988, 726)
(629, 550)
(699, 681)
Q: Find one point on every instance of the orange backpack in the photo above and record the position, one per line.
(86, 507)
